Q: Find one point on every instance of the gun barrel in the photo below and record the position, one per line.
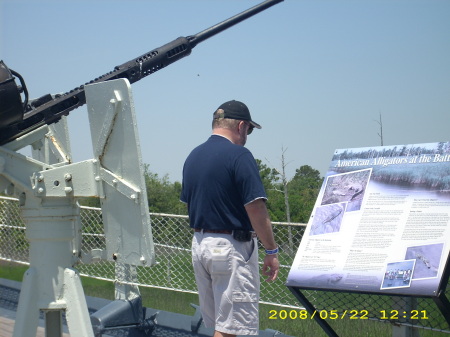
(207, 33)
(50, 111)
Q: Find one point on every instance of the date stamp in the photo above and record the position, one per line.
(347, 314)
(323, 314)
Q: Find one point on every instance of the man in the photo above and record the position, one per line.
(227, 206)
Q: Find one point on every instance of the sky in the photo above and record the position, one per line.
(317, 75)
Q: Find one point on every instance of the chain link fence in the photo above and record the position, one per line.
(172, 239)
(173, 270)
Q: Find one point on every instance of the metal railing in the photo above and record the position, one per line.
(173, 270)
(172, 238)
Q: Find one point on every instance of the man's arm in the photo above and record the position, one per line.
(260, 220)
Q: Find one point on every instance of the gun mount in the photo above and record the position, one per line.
(18, 117)
(49, 185)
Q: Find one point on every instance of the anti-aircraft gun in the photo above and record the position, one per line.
(47, 191)
(19, 116)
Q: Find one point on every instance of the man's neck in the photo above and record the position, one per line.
(226, 133)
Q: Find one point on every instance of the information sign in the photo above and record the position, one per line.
(381, 222)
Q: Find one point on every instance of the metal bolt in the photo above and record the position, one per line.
(68, 177)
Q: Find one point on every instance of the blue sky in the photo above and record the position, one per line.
(315, 74)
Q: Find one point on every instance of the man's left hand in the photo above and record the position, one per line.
(270, 267)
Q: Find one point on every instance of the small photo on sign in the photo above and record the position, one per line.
(347, 187)
(398, 274)
(328, 219)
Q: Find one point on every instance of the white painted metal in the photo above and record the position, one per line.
(51, 283)
(28, 139)
(76, 179)
(54, 148)
(116, 147)
(48, 187)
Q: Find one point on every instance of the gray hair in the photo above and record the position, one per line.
(220, 122)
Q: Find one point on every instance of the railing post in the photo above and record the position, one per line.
(404, 304)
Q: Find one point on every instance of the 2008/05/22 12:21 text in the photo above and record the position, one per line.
(350, 314)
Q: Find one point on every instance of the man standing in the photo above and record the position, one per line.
(227, 210)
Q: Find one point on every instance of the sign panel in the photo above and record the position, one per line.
(381, 222)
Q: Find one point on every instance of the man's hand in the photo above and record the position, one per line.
(270, 267)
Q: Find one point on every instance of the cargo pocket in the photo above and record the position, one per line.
(220, 259)
(245, 310)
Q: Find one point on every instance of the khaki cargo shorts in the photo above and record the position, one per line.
(227, 275)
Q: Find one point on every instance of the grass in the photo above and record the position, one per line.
(271, 317)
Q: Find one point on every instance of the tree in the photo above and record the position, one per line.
(293, 200)
(268, 176)
(163, 196)
(284, 183)
(303, 190)
(380, 134)
(288, 200)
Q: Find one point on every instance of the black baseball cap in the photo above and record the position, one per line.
(235, 110)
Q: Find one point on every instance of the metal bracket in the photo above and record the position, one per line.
(77, 180)
(95, 255)
(120, 185)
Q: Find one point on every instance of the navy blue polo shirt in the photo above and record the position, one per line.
(219, 179)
